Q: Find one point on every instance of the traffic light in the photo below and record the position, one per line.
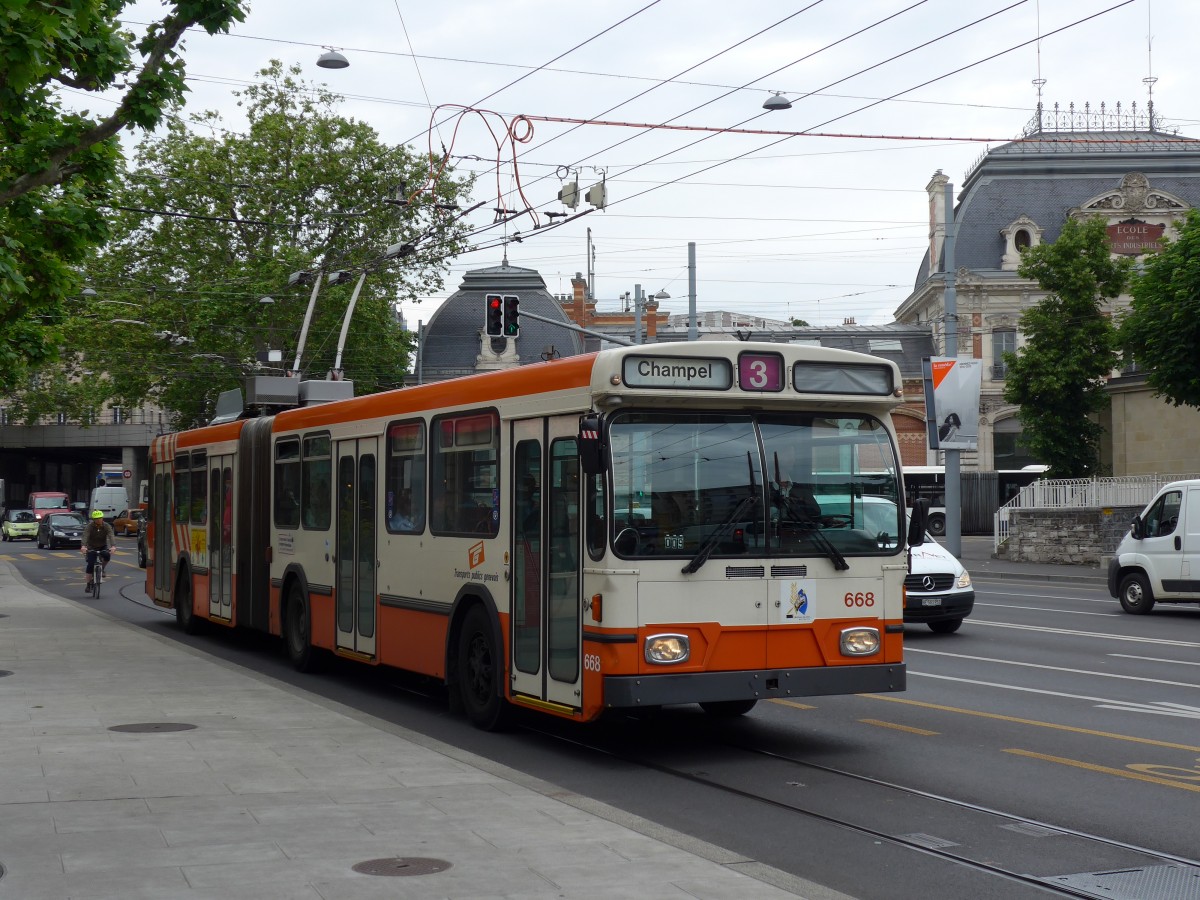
(512, 315)
(495, 315)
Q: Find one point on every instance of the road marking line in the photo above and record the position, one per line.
(1177, 662)
(1073, 633)
(1036, 723)
(1064, 612)
(1029, 665)
(1106, 770)
(792, 703)
(909, 728)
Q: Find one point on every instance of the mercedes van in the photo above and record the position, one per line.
(1158, 561)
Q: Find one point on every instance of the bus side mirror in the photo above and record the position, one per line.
(591, 447)
(918, 522)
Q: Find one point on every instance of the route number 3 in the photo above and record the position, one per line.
(760, 372)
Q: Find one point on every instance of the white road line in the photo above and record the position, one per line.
(1029, 665)
(1177, 662)
(1158, 709)
(1065, 612)
(1073, 633)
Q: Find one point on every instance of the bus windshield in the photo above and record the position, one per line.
(708, 484)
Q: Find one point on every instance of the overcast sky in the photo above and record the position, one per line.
(816, 227)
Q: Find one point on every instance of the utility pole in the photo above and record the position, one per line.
(950, 301)
(637, 313)
(692, 334)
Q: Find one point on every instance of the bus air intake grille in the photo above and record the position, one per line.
(744, 571)
(789, 571)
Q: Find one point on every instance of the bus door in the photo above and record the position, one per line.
(161, 555)
(546, 625)
(220, 537)
(356, 564)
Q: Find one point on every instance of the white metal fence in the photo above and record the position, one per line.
(1072, 493)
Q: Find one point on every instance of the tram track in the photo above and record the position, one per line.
(1005, 836)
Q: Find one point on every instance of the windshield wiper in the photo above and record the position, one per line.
(818, 536)
(710, 544)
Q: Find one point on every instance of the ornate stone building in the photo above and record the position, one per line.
(1116, 164)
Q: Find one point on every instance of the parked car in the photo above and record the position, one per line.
(938, 590)
(19, 524)
(60, 530)
(126, 521)
(141, 541)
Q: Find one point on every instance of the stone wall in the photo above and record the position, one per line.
(1073, 537)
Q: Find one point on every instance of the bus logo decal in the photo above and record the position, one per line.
(475, 556)
(798, 602)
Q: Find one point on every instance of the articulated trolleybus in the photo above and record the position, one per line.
(627, 529)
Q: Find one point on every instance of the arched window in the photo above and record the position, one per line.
(1022, 240)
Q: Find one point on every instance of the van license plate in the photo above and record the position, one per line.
(931, 601)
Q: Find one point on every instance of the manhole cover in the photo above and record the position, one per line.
(401, 865)
(143, 727)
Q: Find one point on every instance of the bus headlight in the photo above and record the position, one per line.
(667, 648)
(860, 641)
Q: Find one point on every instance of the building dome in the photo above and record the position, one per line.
(453, 342)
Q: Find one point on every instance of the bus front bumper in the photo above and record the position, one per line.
(621, 691)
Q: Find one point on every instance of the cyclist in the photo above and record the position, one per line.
(99, 540)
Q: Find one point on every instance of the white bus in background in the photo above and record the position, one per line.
(978, 494)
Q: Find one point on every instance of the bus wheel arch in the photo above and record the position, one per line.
(295, 623)
(475, 663)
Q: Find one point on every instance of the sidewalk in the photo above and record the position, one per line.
(977, 559)
(135, 767)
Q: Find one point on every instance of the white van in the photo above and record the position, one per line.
(110, 501)
(1158, 561)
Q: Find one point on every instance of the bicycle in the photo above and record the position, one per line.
(98, 567)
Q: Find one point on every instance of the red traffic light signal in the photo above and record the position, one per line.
(494, 317)
(512, 315)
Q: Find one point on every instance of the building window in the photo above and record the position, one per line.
(118, 415)
(1004, 340)
(1022, 240)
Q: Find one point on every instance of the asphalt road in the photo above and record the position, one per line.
(1053, 736)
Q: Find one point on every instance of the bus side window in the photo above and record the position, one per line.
(316, 483)
(287, 483)
(404, 497)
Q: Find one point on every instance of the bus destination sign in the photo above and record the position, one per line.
(686, 372)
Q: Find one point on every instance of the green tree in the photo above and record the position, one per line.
(1161, 329)
(57, 165)
(211, 224)
(1058, 377)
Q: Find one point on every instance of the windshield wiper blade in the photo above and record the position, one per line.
(709, 545)
(818, 536)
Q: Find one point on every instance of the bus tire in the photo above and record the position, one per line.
(1136, 596)
(727, 709)
(185, 616)
(480, 669)
(297, 630)
(937, 525)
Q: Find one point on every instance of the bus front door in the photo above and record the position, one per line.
(356, 546)
(546, 624)
(220, 537)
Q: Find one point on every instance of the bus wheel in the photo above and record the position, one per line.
(297, 630)
(184, 614)
(727, 709)
(937, 525)
(1136, 596)
(479, 672)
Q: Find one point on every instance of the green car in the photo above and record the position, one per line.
(19, 524)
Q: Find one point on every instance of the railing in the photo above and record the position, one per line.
(1075, 493)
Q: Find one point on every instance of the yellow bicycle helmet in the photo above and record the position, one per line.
(97, 514)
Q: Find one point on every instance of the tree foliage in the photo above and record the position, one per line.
(57, 164)
(1058, 376)
(1161, 330)
(211, 223)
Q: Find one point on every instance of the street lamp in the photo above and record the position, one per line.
(777, 101)
(331, 59)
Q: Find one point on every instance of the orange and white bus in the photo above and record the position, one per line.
(602, 531)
